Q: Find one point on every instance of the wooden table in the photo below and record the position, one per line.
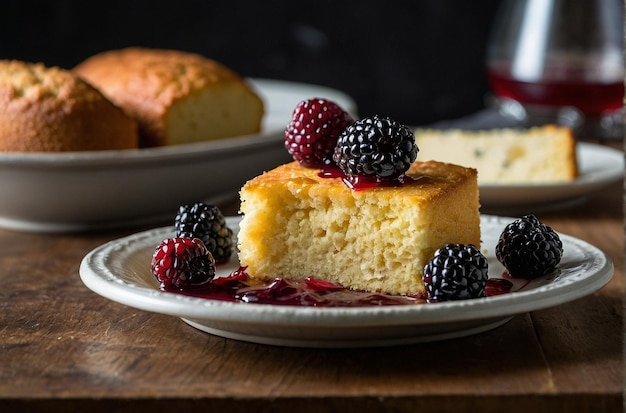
(64, 348)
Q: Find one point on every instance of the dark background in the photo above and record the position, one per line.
(417, 61)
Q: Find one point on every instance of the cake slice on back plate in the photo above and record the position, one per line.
(537, 155)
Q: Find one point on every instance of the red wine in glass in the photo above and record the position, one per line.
(590, 97)
(559, 61)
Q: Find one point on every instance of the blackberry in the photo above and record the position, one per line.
(528, 248)
(456, 272)
(376, 147)
(182, 264)
(207, 223)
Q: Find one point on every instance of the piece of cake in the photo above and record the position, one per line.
(298, 224)
(50, 109)
(177, 97)
(505, 156)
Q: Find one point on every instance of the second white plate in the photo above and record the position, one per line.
(599, 166)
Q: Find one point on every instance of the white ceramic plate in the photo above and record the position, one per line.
(599, 166)
(54, 192)
(120, 271)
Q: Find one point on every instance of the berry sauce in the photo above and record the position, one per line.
(309, 292)
(498, 286)
(362, 182)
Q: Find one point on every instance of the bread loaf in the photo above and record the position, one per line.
(177, 97)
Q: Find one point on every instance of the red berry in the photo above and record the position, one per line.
(311, 135)
(182, 263)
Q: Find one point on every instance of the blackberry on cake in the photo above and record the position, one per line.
(376, 147)
(528, 248)
(207, 223)
(311, 135)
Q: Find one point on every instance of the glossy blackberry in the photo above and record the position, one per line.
(528, 248)
(182, 264)
(456, 272)
(377, 147)
(207, 223)
(311, 135)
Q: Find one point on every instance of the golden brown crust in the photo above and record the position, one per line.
(148, 82)
(429, 179)
(50, 109)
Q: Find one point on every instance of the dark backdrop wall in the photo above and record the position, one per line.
(417, 61)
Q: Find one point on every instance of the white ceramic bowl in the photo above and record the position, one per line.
(63, 192)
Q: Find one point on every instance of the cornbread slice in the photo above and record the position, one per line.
(177, 97)
(297, 224)
(538, 155)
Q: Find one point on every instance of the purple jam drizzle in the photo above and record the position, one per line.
(310, 292)
(330, 171)
(362, 182)
(498, 286)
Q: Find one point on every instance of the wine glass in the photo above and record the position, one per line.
(561, 62)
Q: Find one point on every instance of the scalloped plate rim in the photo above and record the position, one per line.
(104, 282)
